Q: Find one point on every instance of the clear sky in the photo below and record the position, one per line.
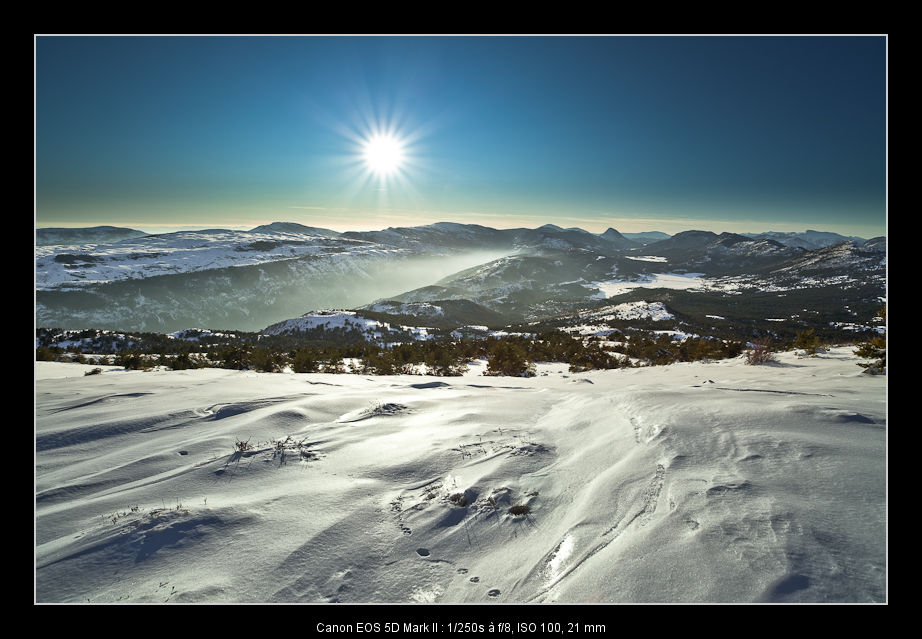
(739, 134)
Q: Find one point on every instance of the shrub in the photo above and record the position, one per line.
(444, 363)
(509, 358)
(808, 341)
(333, 365)
(266, 360)
(305, 361)
(95, 371)
(519, 510)
(234, 356)
(183, 360)
(133, 360)
(761, 352)
(47, 353)
(875, 350)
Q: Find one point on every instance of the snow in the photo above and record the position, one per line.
(586, 330)
(716, 482)
(848, 326)
(655, 311)
(327, 320)
(184, 252)
(647, 258)
(349, 320)
(679, 281)
(195, 334)
(416, 308)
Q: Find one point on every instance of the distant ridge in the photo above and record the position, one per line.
(85, 235)
(646, 237)
(294, 227)
(808, 239)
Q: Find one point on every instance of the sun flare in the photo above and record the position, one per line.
(383, 154)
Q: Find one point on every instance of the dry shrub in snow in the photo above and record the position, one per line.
(761, 352)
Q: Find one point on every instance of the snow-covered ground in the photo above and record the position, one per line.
(341, 319)
(679, 281)
(704, 482)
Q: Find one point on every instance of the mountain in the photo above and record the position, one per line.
(293, 227)
(448, 236)
(618, 239)
(522, 286)
(224, 279)
(88, 235)
(247, 280)
(808, 240)
(440, 237)
(840, 260)
(447, 313)
(723, 254)
(647, 237)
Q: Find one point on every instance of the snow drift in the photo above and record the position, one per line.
(704, 482)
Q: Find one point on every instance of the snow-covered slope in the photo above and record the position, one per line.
(72, 266)
(331, 320)
(240, 280)
(714, 482)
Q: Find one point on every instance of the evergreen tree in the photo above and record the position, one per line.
(509, 358)
(267, 361)
(808, 341)
(305, 360)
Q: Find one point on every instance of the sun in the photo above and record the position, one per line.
(383, 154)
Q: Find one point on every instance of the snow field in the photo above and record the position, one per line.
(715, 482)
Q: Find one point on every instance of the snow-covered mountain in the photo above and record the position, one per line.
(248, 280)
(721, 253)
(77, 266)
(808, 240)
(226, 279)
(87, 235)
(293, 227)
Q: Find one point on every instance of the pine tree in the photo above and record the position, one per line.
(305, 360)
(808, 341)
(509, 358)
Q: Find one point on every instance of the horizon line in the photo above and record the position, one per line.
(164, 228)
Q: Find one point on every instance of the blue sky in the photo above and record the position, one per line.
(639, 133)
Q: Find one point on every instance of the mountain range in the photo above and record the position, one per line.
(112, 278)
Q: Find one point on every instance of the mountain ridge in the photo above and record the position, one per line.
(249, 279)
